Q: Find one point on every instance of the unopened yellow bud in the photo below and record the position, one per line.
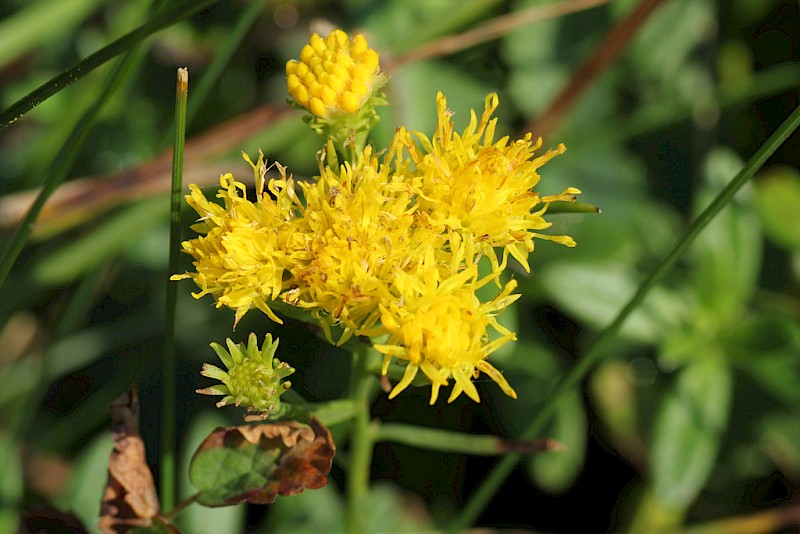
(334, 75)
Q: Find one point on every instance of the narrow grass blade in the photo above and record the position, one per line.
(63, 161)
(168, 480)
(80, 69)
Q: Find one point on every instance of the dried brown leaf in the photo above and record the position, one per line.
(130, 498)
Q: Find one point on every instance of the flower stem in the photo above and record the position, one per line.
(180, 507)
(170, 369)
(361, 445)
(494, 480)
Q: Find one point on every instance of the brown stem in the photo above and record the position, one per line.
(92, 194)
(492, 29)
(603, 56)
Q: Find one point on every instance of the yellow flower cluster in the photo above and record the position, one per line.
(387, 247)
(334, 75)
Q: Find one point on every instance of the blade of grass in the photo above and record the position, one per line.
(64, 161)
(601, 58)
(494, 480)
(223, 57)
(168, 480)
(80, 69)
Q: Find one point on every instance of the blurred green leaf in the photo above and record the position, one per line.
(780, 434)
(597, 291)
(664, 44)
(38, 23)
(11, 483)
(532, 370)
(85, 490)
(556, 471)
(103, 242)
(391, 510)
(687, 432)
(540, 56)
(778, 203)
(311, 512)
(727, 254)
(768, 348)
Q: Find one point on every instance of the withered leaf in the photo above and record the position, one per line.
(256, 463)
(130, 498)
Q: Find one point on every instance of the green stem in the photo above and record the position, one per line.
(362, 442)
(180, 507)
(495, 479)
(435, 439)
(169, 405)
(85, 66)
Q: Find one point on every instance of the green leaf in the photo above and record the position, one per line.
(778, 204)
(688, 429)
(780, 434)
(319, 511)
(310, 513)
(532, 370)
(768, 348)
(663, 46)
(202, 519)
(598, 290)
(334, 412)
(39, 23)
(556, 471)
(405, 24)
(88, 479)
(12, 483)
(728, 253)
(104, 241)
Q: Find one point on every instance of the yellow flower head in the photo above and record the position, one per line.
(247, 245)
(481, 188)
(438, 326)
(335, 75)
(358, 233)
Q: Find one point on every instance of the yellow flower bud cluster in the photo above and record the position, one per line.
(334, 76)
